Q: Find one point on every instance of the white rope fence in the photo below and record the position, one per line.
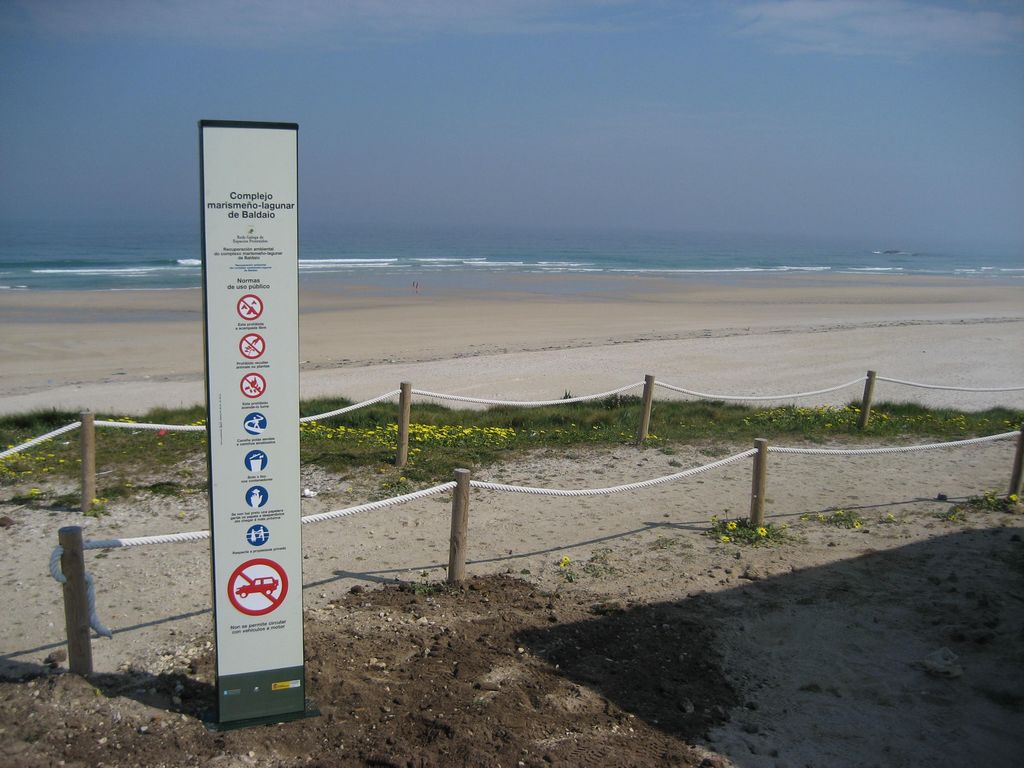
(461, 487)
(132, 425)
(526, 403)
(892, 449)
(615, 488)
(173, 538)
(950, 389)
(141, 541)
(41, 439)
(83, 585)
(734, 398)
(375, 505)
(349, 408)
(153, 427)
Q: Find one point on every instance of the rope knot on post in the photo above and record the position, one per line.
(67, 566)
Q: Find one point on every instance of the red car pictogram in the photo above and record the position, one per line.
(264, 585)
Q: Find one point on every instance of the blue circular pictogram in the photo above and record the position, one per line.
(255, 423)
(258, 535)
(256, 461)
(257, 496)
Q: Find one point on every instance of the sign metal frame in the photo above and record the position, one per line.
(249, 225)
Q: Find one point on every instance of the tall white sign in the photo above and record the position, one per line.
(249, 200)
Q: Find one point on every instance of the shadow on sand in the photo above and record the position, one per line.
(821, 663)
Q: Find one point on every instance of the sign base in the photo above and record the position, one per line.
(268, 695)
(310, 710)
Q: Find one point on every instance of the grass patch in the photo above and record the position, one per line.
(166, 488)
(442, 439)
(887, 419)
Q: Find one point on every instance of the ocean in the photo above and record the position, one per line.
(133, 256)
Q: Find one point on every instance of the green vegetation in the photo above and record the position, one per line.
(841, 518)
(442, 439)
(989, 501)
(742, 531)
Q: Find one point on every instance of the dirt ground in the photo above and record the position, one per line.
(898, 643)
(496, 674)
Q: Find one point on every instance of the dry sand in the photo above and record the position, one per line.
(127, 352)
(840, 643)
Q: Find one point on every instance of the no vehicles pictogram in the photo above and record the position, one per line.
(252, 346)
(257, 587)
(249, 307)
(253, 385)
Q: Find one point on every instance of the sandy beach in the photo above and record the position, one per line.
(125, 352)
(799, 654)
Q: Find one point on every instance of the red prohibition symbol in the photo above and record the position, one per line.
(252, 346)
(253, 385)
(257, 587)
(249, 307)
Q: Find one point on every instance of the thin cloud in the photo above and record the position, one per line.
(895, 28)
(333, 23)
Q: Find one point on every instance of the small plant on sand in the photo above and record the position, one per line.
(664, 542)
(98, 508)
(424, 587)
(564, 567)
(598, 564)
(840, 518)
(989, 501)
(953, 515)
(398, 486)
(742, 531)
(31, 496)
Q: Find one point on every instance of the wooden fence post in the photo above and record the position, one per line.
(645, 414)
(460, 528)
(404, 415)
(758, 485)
(865, 403)
(1017, 474)
(88, 442)
(76, 600)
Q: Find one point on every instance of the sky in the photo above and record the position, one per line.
(890, 120)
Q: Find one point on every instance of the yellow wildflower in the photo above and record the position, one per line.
(731, 525)
(725, 538)
(564, 562)
(762, 532)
